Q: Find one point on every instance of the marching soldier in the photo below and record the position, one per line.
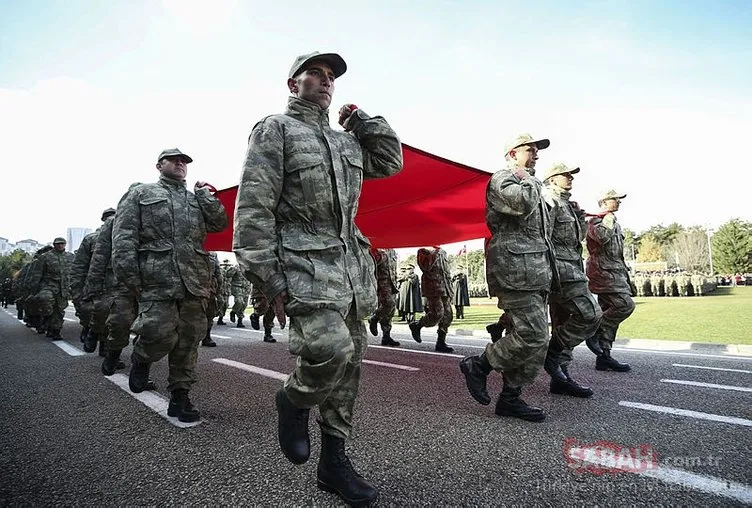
(436, 285)
(262, 311)
(51, 274)
(386, 288)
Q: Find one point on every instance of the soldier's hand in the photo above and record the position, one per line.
(521, 174)
(203, 185)
(278, 306)
(345, 112)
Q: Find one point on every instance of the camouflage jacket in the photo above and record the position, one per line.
(18, 280)
(606, 270)
(80, 266)
(52, 272)
(519, 255)
(568, 227)
(436, 279)
(386, 269)
(100, 279)
(238, 284)
(216, 275)
(296, 205)
(158, 237)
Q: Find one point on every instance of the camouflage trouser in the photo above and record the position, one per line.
(222, 301)
(52, 307)
(385, 311)
(211, 311)
(520, 355)
(122, 309)
(84, 310)
(329, 351)
(438, 309)
(262, 308)
(575, 316)
(240, 303)
(655, 289)
(616, 308)
(173, 328)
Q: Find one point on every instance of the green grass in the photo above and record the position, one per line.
(723, 317)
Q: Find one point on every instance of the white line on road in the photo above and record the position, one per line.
(250, 368)
(712, 368)
(685, 412)
(221, 336)
(150, 399)
(706, 385)
(73, 351)
(392, 365)
(709, 484)
(675, 353)
(389, 348)
(71, 320)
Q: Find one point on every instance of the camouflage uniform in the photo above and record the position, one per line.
(609, 277)
(79, 270)
(295, 232)
(262, 311)
(656, 283)
(386, 288)
(51, 274)
(669, 283)
(241, 291)
(436, 285)
(575, 315)
(224, 294)
(18, 290)
(215, 283)
(158, 253)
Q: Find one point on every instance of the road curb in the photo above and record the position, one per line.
(651, 344)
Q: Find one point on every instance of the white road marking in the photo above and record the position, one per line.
(221, 336)
(389, 348)
(712, 368)
(708, 484)
(685, 412)
(71, 320)
(675, 353)
(152, 400)
(250, 368)
(73, 351)
(392, 365)
(706, 385)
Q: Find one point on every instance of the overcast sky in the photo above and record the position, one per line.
(652, 98)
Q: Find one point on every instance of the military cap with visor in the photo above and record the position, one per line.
(336, 62)
(59, 239)
(611, 194)
(107, 213)
(525, 139)
(559, 169)
(174, 152)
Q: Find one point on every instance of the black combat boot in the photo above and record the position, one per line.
(510, 404)
(240, 322)
(112, 362)
(181, 407)
(19, 313)
(606, 362)
(84, 333)
(292, 429)
(268, 335)
(594, 344)
(387, 340)
(232, 316)
(373, 325)
(569, 386)
(54, 334)
(495, 331)
(415, 327)
(221, 321)
(138, 380)
(255, 320)
(476, 370)
(336, 474)
(441, 345)
(90, 342)
(40, 324)
(208, 341)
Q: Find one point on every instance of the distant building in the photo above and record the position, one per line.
(5, 246)
(29, 245)
(75, 235)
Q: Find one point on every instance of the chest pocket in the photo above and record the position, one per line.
(154, 213)
(306, 171)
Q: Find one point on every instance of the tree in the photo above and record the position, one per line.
(691, 247)
(630, 244)
(664, 235)
(13, 262)
(650, 249)
(732, 244)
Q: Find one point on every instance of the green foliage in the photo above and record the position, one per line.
(11, 263)
(732, 244)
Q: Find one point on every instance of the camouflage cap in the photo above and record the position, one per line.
(107, 213)
(559, 169)
(611, 194)
(335, 61)
(173, 152)
(525, 139)
(59, 239)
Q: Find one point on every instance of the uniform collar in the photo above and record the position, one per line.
(171, 181)
(306, 111)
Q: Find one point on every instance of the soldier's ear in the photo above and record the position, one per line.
(292, 84)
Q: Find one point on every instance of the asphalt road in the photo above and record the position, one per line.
(69, 436)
